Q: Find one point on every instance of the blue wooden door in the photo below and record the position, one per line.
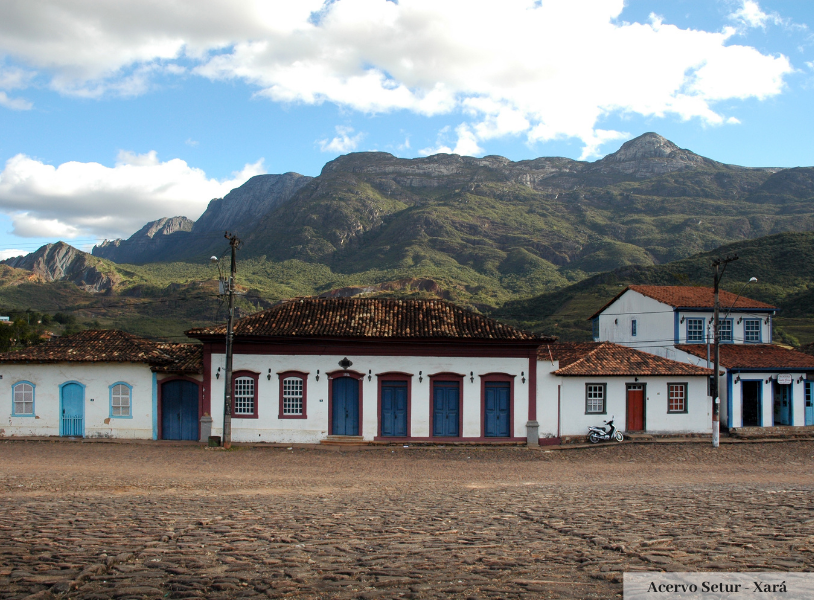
(72, 407)
(446, 404)
(809, 404)
(497, 410)
(782, 404)
(179, 410)
(345, 406)
(394, 409)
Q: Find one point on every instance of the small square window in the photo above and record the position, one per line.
(751, 330)
(595, 398)
(695, 330)
(676, 397)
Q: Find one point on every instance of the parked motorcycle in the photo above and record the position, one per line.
(604, 434)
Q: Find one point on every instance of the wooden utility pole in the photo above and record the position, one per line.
(716, 402)
(234, 242)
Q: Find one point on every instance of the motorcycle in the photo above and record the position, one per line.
(604, 434)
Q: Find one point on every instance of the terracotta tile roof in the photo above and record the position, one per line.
(607, 359)
(370, 318)
(682, 296)
(755, 356)
(111, 346)
(186, 358)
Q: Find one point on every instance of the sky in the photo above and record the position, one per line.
(116, 113)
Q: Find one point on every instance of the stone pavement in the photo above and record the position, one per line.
(98, 521)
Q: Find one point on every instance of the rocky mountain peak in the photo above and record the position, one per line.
(649, 155)
(647, 145)
(166, 226)
(63, 262)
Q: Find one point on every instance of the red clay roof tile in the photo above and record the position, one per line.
(111, 345)
(682, 296)
(370, 318)
(755, 356)
(607, 359)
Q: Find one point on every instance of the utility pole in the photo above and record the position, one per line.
(234, 242)
(720, 267)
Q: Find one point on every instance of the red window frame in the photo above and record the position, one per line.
(301, 375)
(256, 378)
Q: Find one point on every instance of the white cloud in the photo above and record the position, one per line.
(751, 15)
(14, 103)
(76, 198)
(544, 69)
(12, 253)
(343, 142)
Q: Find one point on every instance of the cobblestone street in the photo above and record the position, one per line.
(94, 521)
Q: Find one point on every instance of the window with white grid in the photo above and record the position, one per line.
(695, 330)
(23, 399)
(120, 401)
(244, 396)
(595, 398)
(751, 330)
(292, 396)
(677, 397)
(725, 330)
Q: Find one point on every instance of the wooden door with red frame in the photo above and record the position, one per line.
(635, 407)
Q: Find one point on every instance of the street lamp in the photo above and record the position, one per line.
(720, 267)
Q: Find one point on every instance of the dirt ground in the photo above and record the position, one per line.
(101, 520)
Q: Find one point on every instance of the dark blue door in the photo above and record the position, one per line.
(446, 404)
(72, 405)
(497, 410)
(782, 404)
(345, 406)
(179, 410)
(394, 409)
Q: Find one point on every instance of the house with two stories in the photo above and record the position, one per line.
(760, 384)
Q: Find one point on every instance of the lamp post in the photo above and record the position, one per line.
(720, 266)
(234, 242)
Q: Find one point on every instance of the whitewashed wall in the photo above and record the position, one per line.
(574, 421)
(268, 427)
(97, 377)
(656, 321)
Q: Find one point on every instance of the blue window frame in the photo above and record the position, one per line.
(695, 331)
(725, 331)
(633, 328)
(751, 331)
(595, 328)
(22, 402)
(121, 400)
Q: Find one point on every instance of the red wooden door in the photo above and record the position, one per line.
(635, 408)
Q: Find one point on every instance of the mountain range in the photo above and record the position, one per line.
(500, 236)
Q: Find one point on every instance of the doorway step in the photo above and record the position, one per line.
(344, 440)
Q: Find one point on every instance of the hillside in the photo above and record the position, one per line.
(511, 229)
(782, 263)
(541, 243)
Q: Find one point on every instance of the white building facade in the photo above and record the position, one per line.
(760, 385)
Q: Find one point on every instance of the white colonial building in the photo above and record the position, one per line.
(594, 382)
(107, 384)
(760, 385)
